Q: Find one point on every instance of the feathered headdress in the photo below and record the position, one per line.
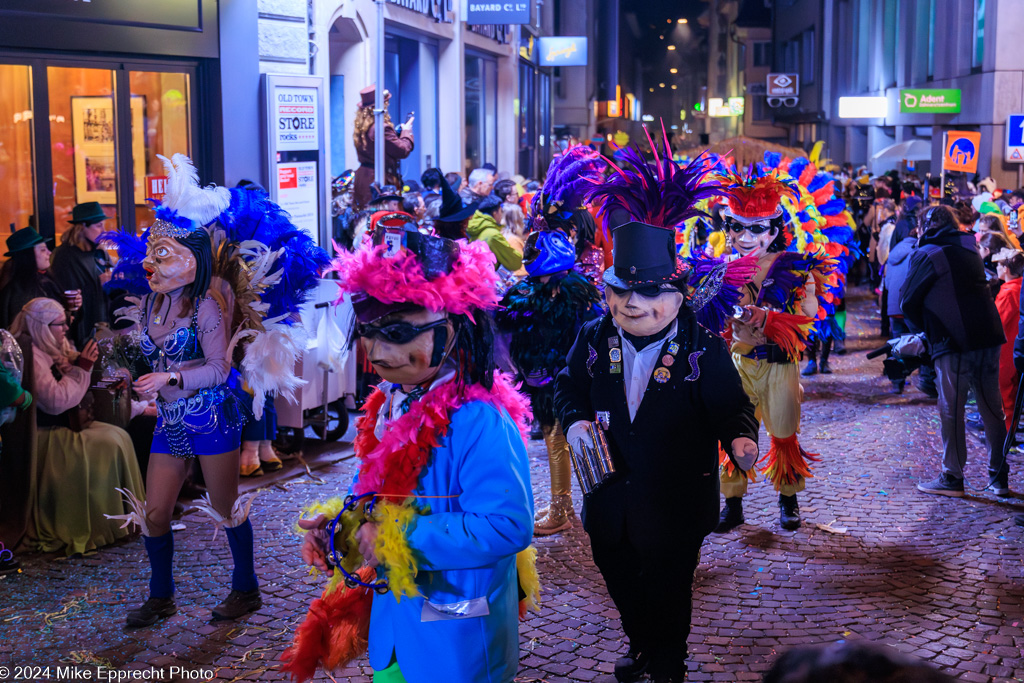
(757, 197)
(569, 179)
(270, 264)
(187, 206)
(464, 283)
(664, 196)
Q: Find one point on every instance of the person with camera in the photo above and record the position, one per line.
(397, 146)
(946, 295)
(666, 394)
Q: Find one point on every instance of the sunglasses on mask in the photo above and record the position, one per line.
(754, 228)
(396, 333)
(647, 291)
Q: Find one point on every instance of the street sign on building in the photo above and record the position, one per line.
(563, 51)
(931, 101)
(497, 12)
(783, 85)
(961, 151)
(1015, 139)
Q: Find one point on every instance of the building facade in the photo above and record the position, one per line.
(93, 92)
(882, 48)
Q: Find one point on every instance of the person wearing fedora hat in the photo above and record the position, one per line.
(396, 146)
(664, 390)
(26, 274)
(80, 265)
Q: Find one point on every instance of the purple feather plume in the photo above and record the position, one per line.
(570, 178)
(665, 196)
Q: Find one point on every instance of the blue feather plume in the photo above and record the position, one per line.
(128, 275)
(253, 216)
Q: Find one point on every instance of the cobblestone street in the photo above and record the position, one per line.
(935, 577)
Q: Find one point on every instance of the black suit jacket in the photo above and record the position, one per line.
(666, 459)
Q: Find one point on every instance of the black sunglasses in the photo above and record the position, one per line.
(396, 333)
(647, 291)
(754, 228)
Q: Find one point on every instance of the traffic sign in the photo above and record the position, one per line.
(783, 85)
(961, 152)
(1015, 139)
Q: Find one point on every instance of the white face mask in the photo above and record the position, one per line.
(642, 316)
(746, 243)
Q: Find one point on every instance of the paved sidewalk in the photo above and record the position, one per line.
(939, 578)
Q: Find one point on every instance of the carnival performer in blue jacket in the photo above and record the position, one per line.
(442, 504)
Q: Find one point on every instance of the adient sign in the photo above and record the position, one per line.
(931, 101)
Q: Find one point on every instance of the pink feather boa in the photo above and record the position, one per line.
(471, 285)
(432, 411)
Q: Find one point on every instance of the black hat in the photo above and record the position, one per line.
(384, 194)
(435, 255)
(88, 213)
(452, 209)
(643, 255)
(23, 239)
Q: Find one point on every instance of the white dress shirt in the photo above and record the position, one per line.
(638, 366)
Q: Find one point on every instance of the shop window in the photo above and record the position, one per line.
(762, 53)
(527, 122)
(481, 111)
(83, 131)
(160, 125)
(978, 51)
(17, 180)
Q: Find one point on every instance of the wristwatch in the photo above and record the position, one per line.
(174, 381)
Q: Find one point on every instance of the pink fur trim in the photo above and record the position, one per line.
(469, 287)
(435, 407)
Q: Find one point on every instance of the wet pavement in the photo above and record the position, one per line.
(938, 578)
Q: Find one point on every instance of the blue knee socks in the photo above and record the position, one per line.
(243, 577)
(161, 552)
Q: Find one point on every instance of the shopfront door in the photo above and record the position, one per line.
(89, 130)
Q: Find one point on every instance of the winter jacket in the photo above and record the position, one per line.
(483, 227)
(945, 294)
(896, 269)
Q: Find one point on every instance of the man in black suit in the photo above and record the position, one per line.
(668, 394)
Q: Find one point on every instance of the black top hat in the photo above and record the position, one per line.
(643, 255)
(452, 209)
(23, 239)
(88, 213)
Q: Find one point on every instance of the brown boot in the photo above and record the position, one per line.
(557, 518)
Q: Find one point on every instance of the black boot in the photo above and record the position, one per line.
(731, 516)
(150, 612)
(632, 667)
(824, 368)
(789, 512)
(238, 604)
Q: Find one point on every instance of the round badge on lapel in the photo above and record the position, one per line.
(662, 375)
(667, 360)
